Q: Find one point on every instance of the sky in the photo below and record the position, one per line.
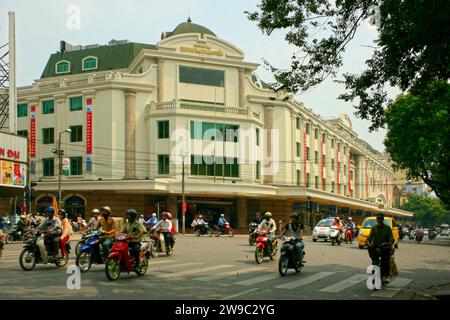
(41, 24)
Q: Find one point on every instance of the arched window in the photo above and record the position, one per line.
(75, 204)
(90, 63)
(62, 67)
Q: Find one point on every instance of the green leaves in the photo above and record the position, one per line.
(413, 46)
(418, 135)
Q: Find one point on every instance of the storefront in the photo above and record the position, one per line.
(13, 172)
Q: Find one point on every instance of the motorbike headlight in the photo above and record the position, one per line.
(361, 233)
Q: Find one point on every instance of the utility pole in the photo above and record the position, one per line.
(60, 153)
(183, 200)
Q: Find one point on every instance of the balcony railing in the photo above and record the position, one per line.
(177, 106)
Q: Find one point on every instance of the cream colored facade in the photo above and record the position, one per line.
(128, 103)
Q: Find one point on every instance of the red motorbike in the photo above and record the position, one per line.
(226, 230)
(262, 246)
(348, 237)
(119, 260)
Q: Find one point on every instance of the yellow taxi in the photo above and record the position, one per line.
(367, 225)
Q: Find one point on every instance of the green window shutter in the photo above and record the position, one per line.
(22, 133)
(298, 177)
(258, 170)
(48, 106)
(307, 180)
(90, 64)
(257, 136)
(202, 76)
(62, 67)
(307, 153)
(316, 182)
(48, 167)
(76, 103)
(316, 157)
(76, 134)
(163, 129)
(163, 164)
(48, 135)
(76, 166)
(22, 110)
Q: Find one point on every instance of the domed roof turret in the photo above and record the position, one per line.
(188, 27)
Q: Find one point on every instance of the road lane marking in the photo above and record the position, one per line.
(194, 271)
(386, 293)
(238, 294)
(399, 283)
(258, 279)
(345, 284)
(152, 263)
(304, 281)
(228, 274)
(176, 266)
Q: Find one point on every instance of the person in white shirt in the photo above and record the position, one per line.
(269, 224)
(165, 227)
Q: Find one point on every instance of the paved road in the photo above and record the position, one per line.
(224, 268)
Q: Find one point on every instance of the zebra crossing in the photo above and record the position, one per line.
(264, 277)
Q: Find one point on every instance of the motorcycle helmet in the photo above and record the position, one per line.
(222, 215)
(62, 213)
(268, 214)
(349, 218)
(106, 210)
(132, 214)
(153, 214)
(95, 211)
(49, 209)
(258, 214)
(294, 215)
(169, 215)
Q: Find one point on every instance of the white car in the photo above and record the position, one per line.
(322, 230)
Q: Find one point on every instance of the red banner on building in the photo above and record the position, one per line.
(33, 132)
(338, 164)
(305, 150)
(323, 164)
(348, 174)
(88, 126)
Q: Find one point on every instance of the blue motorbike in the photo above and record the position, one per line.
(90, 253)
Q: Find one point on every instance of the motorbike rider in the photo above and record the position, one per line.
(221, 223)
(269, 224)
(95, 219)
(257, 219)
(381, 234)
(351, 226)
(51, 227)
(67, 231)
(338, 224)
(295, 229)
(199, 223)
(106, 223)
(136, 230)
(165, 226)
(152, 221)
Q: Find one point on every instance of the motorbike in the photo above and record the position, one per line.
(5, 224)
(419, 236)
(158, 244)
(119, 260)
(16, 234)
(35, 252)
(348, 236)
(202, 229)
(252, 237)
(411, 234)
(262, 247)
(335, 236)
(226, 230)
(287, 256)
(377, 262)
(84, 239)
(432, 234)
(91, 252)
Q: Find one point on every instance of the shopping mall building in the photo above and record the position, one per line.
(136, 110)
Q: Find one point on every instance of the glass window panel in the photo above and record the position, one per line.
(76, 103)
(22, 110)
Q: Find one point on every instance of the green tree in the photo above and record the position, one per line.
(427, 211)
(418, 136)
(413, 46)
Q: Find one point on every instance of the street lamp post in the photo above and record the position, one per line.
(183, 199)
(60, 153)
